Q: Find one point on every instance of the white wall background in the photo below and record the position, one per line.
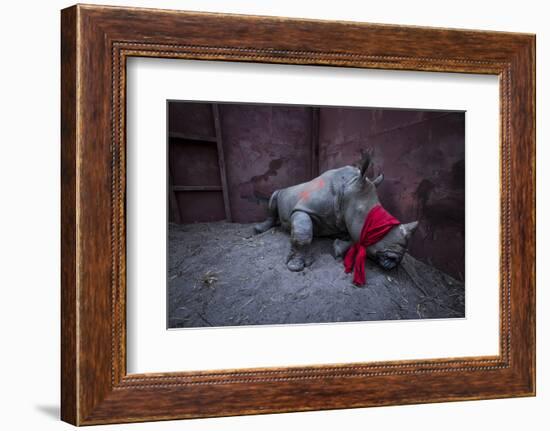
(29, 216)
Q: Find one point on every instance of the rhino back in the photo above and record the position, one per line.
(320, 198)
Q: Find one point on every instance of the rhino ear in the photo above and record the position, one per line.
(378, 180)
(409, 228)
(365, 162)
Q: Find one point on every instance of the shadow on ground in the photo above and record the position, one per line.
(221, 274)
(51, 411)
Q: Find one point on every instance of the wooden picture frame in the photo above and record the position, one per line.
(95, 43)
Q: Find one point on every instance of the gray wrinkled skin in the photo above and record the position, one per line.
(336, 204)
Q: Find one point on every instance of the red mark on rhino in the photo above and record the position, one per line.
(312, 187)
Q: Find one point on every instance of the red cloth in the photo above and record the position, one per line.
(377, 224)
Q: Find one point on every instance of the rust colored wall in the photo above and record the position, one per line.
(194, 162)
(192, 118)
(268, 147)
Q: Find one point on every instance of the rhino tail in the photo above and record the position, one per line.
(272, 205)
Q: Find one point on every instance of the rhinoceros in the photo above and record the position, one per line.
(335, 204)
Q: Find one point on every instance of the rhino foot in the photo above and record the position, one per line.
(340, 247)
(296, 260)
(296, 263)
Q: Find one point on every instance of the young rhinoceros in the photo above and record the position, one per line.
(337, 204)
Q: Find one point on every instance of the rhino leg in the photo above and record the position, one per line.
(272, 215)
(265, 225)
(300, 238)
(340, 247)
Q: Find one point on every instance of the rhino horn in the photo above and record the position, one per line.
(378, 180)
(409, 228)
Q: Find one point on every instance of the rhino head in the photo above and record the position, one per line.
(359, 197)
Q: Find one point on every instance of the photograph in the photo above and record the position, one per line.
(296, 214)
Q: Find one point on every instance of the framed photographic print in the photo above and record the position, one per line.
(264, 214)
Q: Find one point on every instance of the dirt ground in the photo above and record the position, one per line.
(221, 274)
